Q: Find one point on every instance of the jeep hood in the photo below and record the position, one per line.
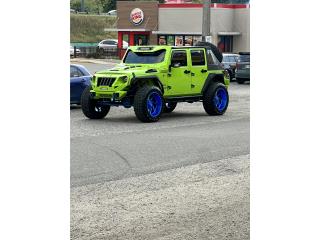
(129, 69)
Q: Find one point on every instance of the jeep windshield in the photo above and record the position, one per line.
(145, 57)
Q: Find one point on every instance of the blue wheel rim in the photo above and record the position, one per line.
(220, 99)
(154, 104)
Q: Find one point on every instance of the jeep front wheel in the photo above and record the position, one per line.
(216, 99)
(90, 108)
(169, 107)
(148, 104)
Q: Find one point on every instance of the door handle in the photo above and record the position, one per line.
(203, 70)
(83, 80)
(186, 71)
(192, 74)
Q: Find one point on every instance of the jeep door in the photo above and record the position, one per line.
(179, 79)
(199, 70)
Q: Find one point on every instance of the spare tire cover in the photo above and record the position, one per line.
(214, 49)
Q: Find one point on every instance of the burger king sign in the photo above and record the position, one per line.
(136, 16)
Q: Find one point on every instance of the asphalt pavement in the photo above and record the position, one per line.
(113, 161)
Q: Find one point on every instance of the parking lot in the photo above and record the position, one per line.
(184, 177)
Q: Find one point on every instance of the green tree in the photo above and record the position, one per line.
(94, 6)
(107, 5)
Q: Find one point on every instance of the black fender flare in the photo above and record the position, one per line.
(212, 77)
(136, 80)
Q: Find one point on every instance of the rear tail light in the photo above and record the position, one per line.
(237, 65)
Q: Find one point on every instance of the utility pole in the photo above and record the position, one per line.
(82, 5)
(206, 19)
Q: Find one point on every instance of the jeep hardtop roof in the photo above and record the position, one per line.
(152, 48)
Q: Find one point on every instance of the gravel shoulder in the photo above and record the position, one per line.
(201, 201)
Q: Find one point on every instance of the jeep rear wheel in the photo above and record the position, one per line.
(169, 107)
(216, 99)
(90, 108)
(148, 104)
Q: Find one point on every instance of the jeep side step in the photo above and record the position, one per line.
(189, 99)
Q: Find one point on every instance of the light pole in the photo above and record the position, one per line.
(82, 5)
(206, 19)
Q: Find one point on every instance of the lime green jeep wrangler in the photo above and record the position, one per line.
(153, 79)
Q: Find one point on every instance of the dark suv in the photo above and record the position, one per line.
(243, 68)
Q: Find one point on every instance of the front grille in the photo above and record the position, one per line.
(105, 81)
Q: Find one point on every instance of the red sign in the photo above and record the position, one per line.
(136, 16)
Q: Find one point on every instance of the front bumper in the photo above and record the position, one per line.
(112, 95)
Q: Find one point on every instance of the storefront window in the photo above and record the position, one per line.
(178, 41)
(140, 39)
(188, 41)
(125, 38)
(170, 40)
(196, 39)
(225, 43)
(162, 40)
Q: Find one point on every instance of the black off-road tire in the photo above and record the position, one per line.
(208, 103)
(89, 108)
(169, 107)
(214, 49)
(140, 103)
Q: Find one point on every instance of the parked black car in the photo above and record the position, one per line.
(243, 68)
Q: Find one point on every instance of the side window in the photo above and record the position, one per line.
(197, 57)
(105, 42)
(110, 42)
(212, 58)
(74, 72)
(226, 59)
(179, 58)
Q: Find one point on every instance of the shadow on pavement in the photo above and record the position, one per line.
(165, 117)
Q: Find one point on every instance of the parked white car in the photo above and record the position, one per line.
(72, 50)
(108, 44)
(112, 13)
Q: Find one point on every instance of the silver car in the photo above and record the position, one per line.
(111, 44)
(72, 51)
(112, 13)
